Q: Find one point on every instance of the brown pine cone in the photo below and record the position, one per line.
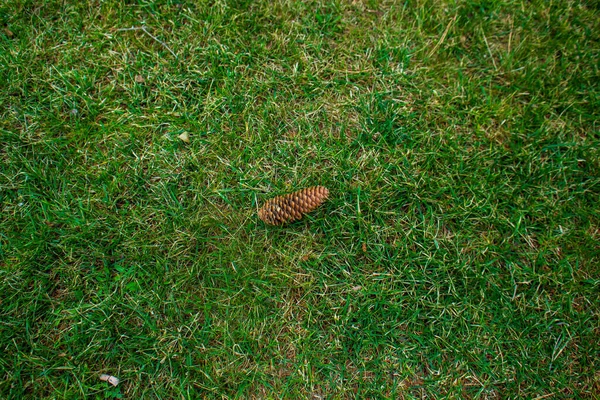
(293, 206)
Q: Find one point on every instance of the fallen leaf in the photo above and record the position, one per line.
(113, 380)
(184, 137)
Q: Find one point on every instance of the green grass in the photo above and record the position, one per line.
(459, 255)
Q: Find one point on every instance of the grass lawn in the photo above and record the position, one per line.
(458, 255)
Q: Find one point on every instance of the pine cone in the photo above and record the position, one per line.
(293, 206)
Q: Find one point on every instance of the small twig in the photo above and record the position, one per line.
(143, 29)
